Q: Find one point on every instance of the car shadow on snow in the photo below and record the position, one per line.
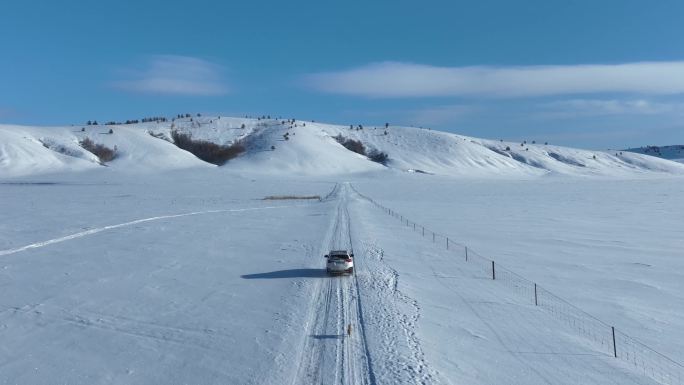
(289, 273)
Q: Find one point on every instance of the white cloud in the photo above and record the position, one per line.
(396, 79)
(175, 75)
(574, 108)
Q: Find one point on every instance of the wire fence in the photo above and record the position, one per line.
(602, 336)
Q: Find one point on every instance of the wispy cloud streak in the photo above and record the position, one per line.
(575, 108)
(174, 75)
(397, 79)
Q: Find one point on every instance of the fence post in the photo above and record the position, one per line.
(466, 250)
(423, 230)
(535, 295)
(493, 271)
(447, 243)
(433, 237)
(414, 227)
(612, 328)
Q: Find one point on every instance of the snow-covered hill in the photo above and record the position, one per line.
(309, 149)
(675, 153)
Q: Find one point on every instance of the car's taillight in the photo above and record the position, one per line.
(348, 260)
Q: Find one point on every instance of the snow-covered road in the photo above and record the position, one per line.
(329, 355)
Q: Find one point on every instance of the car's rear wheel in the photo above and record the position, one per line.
(351, 270)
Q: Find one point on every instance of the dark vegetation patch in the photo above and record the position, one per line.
(358, 147)
(378, 156)
(351, 144)
(159, 135)
(60, 148)
(207, 151)
(104, 153)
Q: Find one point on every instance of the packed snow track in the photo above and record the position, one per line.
(334, 354)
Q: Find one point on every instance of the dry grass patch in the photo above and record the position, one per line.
(291, 197)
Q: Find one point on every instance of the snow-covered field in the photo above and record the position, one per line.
(163, 269)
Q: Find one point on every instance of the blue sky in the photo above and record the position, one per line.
(596, 74)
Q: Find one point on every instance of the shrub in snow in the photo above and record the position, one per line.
(111, 131)
(159, 135)
(358, 147)
(104, 153)
(378, 156)
(61, 148)
(207, 151)
(351, 144)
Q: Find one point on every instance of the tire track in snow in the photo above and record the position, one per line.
(361, 322)
(356, 350)
(86, 233)
(328, 355)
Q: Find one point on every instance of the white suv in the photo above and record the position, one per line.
(340, 261)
